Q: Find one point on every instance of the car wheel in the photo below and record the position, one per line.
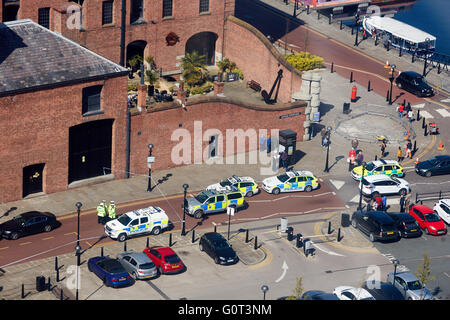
(156, 230)
(216, 260)
(399, 85)
(198, 214)
(200, 246)
(354, 224)
(14, 236)
(427, 231)
(276, 191)
(48, 228)
(249, 194)
(403, 192)
(105, 282)
(409, 298)
(134, 275)
(160, 270)
(428, 174)
(122, 237)
(308, 189)
(89, 267)
(372, 237)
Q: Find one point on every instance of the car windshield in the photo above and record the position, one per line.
(414, 285)
(113, 266)
(19, 219)
(370, 166)
(124, 219)
(201, 197)
(147, 266)
(421, 80)
(225, 183)
(433, 161)
(221, 244)
(172, 258)
(432, 217)
(283, 177)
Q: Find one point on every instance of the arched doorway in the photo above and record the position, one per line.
(205, 44)
(90, 146)
(135, 48)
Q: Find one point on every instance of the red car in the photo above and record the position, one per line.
(165, 260)
(428, 220)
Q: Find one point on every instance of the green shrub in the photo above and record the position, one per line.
(133, 86)
(239, 71)
(304, 61)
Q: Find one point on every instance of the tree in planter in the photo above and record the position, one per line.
(151, 76)
(194, 68)
(225, 65)
(151, 62)
(135, 62)
(424, 273)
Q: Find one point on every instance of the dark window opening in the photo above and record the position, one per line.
(137, 10)
(107, 12)
(204, 6)
(44, 17)
(167, 8)
(91, 100)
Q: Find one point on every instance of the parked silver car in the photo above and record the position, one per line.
(138, 264)
(409, 286)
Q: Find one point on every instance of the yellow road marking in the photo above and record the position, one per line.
(266, 261)
(25, 243)
(66, 234)
(48, 238)
(427, 149)
(4, 248)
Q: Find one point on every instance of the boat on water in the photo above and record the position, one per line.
(399, 35)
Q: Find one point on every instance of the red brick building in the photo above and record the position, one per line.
(62, 112)
(163, 29)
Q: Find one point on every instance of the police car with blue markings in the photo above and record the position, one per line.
(291, 181)
(246, 185)
(137, 222)
(211, 201)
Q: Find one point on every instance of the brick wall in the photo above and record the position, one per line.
(258, 59)
(35, 129)
(158, 127)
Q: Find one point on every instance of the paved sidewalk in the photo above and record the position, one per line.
(367, 46)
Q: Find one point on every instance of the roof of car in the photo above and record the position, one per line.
(403, 216)
(144, 212)
(383, 161)
(30, 214)
(423, 208)
(380, 216)
(295, 173)
(442, 157)
(445, 201)
(213, 236)
(406, 276)
(377, 177)
(412, 74)
(140, 257)
(165, 251)
(383, 291)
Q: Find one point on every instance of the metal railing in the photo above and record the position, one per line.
(428, 196)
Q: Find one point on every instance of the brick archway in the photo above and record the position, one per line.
(205, 44)
(135, 48)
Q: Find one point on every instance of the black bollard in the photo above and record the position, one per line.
(415, 147)
(339, 235)
(423, 122)
(246, 236)
(400, 52)
(318, 15)
(351, 77)
(61, 295)
(193, 236)
(413, 56)
(101, 252)
(332, 67)
(57, 275)
(387, 96)
(340, 26)
(170, 239)
(256, 243)
(387, 47)
(307, 9)
(330, 17)
(418, 115)
(368, 87)
(125, 246)
(376, 157)
(22, 295)
(49, 285)
(404, 102)
(215, 228)
(329, 227)
(425, 133)
(56, 263)
(147, 244)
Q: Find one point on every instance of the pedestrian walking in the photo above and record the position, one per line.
(399, 154)
(384, 203)
(402, 203)
(101, 213)
(351, 159)
(383, 147)
(379, 203)
(322, 135)
(269, 144)
(410, 116)
(112, 210)
(355, 144)
(284, 158)
(105, 208)
(360, 158)
(408, 107)
(400, 110)
(407, 202)
(409, 148)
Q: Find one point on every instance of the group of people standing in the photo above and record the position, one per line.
(355, 156)
(405, 111)
(106, 213)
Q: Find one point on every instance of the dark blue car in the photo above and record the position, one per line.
(110, 271)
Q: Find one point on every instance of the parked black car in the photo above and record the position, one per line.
(434, 166)
(28, 223)
(318, 295)
(406, 224)
(383, 291)
(415, 83)
(218, 248)
(376, 224)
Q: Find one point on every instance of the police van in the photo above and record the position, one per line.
(387, 167)
(210, 201)
(137, 222)
(246, 185)
(291, 181)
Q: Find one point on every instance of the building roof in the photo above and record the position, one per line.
(33, 57)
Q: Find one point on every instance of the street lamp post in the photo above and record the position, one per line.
(391, 80)
(183, 230)
(396, 262)
(425, 61)
(264, 289)
(360, 191)
(357, 28)
(328, 148)
(78, 247)
(150, 160)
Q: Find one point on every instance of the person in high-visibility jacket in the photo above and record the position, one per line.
(112, 210)
(101, 213)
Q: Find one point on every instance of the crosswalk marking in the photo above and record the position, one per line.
(337, 183)
(443, 112)
(446, 101)
(426, 115)
(418, 106)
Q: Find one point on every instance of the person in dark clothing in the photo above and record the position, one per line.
(402, 203)
(284, 162)
(383, 147)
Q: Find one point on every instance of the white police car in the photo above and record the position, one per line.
(147, 220)
(291, 181)
(246, 185)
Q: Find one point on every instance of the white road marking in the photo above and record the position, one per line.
(337, 183)
(326, 251)
(446, 101)
(355, 199)
(426, 115)
(443, 112)
(418, 106)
